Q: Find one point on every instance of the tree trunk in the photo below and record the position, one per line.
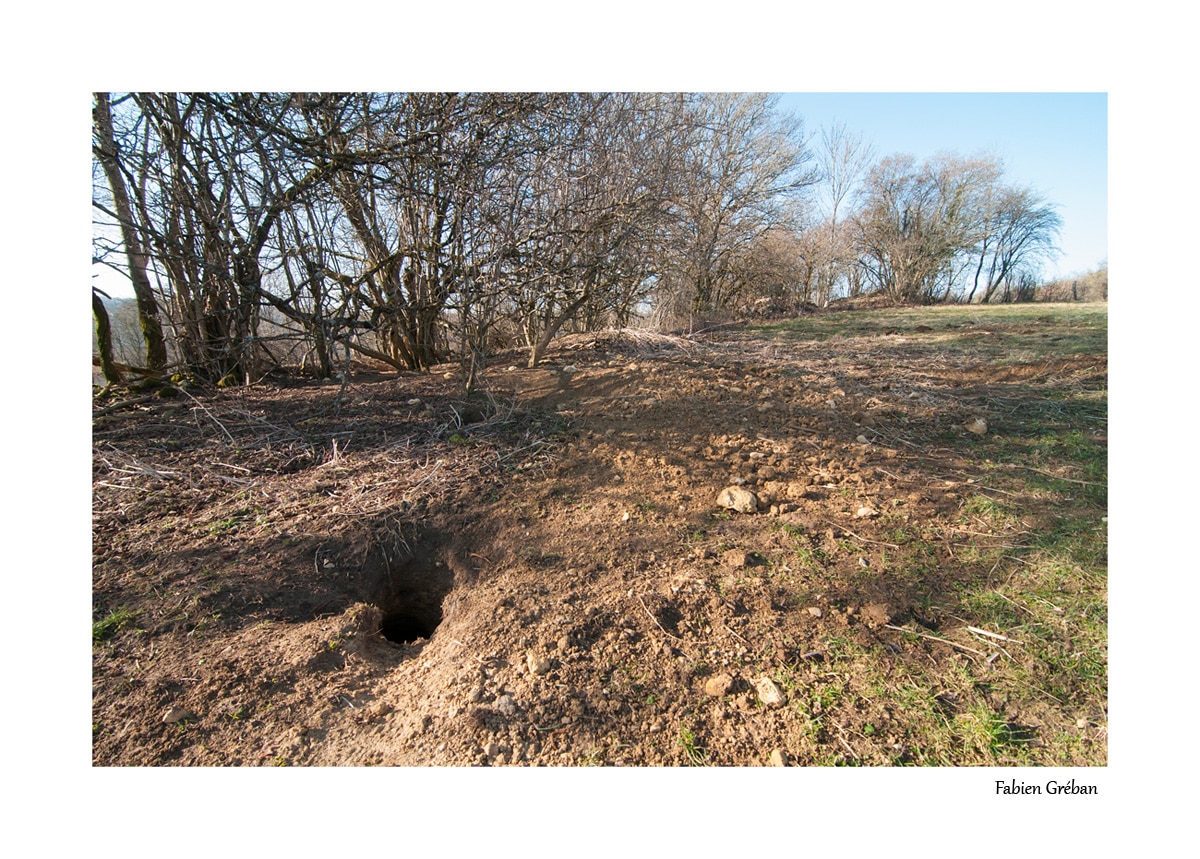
(112, 374)
(107, 153)
(552, 327)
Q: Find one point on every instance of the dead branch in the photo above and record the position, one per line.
(995, 635)
(124, 404)
(862, 539)
(935, 638)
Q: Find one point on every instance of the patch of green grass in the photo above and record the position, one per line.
(111, 624)
(987, 736)
(990, 609)
(693, 753)
(1078, 540)
(830, 693)
(985, 507)
(233, 521)
(203, 623)
(796, 532)
(811, 557)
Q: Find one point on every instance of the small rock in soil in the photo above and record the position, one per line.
(978, 426)
(718, 685)
(378, 709)
(537, 664)
(506, 706)
(178, 714)
(739, 499)
(769, 692)
(779, 758)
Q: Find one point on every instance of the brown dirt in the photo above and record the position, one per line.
(563, 539)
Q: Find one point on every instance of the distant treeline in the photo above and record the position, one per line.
(261, 229)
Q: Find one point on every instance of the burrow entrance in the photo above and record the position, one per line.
(409, 582)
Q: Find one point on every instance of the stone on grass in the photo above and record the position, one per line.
(769, 692)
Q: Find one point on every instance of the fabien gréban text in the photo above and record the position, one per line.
(1052, 787)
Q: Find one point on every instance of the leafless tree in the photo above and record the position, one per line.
(743, 162)
(108, 153)
(1020, 231)
(844, 159)
(596, 200)
(918, 223)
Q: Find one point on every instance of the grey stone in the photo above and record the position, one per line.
(506, 706)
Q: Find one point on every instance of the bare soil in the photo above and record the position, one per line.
(378, 573)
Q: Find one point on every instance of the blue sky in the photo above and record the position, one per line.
(1056, 143)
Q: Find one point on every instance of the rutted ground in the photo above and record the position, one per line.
(910, 591)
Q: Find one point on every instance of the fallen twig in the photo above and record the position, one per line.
(1014, 603)
(863, 539)
(654, 620)
(845, 744)
(1055, 476)
(882, 434)
(136, 401)
(211, 416)
(995, 635)
(935, 638)
(427, 477)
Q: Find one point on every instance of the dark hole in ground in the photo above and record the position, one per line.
(404, 628)
(408, 581)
